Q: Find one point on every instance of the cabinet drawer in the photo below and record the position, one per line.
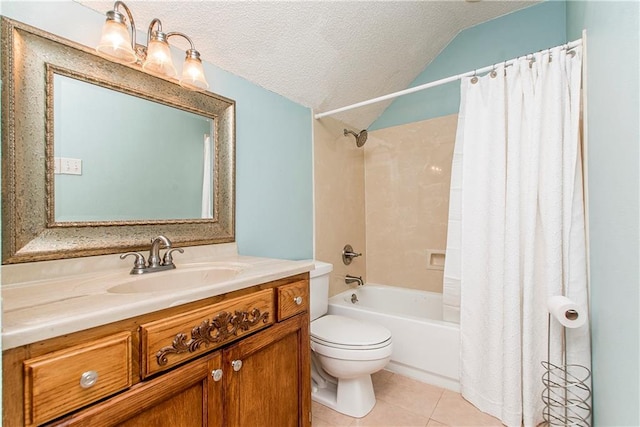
(62, 381)
(293, 299)
(170, 341)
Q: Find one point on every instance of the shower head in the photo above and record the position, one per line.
(361, 137)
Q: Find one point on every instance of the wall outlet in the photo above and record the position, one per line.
(70, 166)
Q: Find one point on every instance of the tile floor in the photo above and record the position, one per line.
(404, 402)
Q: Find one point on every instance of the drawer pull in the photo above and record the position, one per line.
(217, 374)
(88, 379)
(236, 365)
(298, 300)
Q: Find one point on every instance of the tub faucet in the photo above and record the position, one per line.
(348, 279)
(155, 262)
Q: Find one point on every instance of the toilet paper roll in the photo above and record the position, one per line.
(567, 312)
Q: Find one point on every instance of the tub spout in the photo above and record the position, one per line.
(348, 279)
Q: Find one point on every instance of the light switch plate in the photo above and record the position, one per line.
(70, 166)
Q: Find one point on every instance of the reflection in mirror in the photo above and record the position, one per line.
(119, 157)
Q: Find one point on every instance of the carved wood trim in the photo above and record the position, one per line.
(220, 328)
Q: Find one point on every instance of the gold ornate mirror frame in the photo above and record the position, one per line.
(28, 231)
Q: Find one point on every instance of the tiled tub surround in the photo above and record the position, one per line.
(52, 298)
(407, 179)
(388, 199)
(339, 200)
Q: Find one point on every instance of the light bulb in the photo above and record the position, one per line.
(193, 73)
(116, 42)
(159, 59)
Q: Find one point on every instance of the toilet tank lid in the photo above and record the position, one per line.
(320, 269)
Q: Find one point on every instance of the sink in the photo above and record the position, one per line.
(176, 280)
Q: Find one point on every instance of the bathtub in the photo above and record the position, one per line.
(424, 346)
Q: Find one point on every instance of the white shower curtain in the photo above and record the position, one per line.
(207, 179)
(520, 232)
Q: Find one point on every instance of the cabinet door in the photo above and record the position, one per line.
(186, 396)
(267, 378)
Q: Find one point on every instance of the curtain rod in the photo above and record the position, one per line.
(569, 45)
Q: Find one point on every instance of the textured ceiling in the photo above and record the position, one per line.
(321, 54)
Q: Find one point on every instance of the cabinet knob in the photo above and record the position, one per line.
(236, 365)
(217, 374)
(88, 379)
(298, 300)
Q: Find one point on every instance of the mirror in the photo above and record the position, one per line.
(100, 169)
(99, 157)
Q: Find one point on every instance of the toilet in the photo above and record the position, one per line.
(344, 352)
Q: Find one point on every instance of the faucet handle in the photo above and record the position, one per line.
(168, 259)
(348, 254)
(139, 263)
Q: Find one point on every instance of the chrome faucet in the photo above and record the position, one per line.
(155, 262)
(154, 252)
(348, 279)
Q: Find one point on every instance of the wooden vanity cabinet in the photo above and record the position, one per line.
(267, 377)
(259, 378)
(264, 382)
(185, 397)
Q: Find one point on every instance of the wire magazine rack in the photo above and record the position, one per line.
(566, 395)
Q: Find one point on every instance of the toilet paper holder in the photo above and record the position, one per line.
(571, 314)
(566, 395)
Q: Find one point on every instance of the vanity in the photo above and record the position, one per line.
(221, 340)
(231, 352)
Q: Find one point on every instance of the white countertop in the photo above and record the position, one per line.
(38, 309)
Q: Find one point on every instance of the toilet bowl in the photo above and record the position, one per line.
(345, 352)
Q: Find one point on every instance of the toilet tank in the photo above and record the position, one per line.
(319, 288)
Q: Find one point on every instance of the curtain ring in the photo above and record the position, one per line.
(493, 73)
(474, 79)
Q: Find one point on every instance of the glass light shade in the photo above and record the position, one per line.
(116, 42)
(159, 59)
(193, 75)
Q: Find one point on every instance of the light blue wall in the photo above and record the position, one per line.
(273, 145)
(613, 105)
(529, 30)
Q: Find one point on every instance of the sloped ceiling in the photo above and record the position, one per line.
(321, 54)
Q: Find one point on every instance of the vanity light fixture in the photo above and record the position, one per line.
(119, 43)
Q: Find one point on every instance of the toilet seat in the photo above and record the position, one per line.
(351, 347)
(345, 338)
(341, 331)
